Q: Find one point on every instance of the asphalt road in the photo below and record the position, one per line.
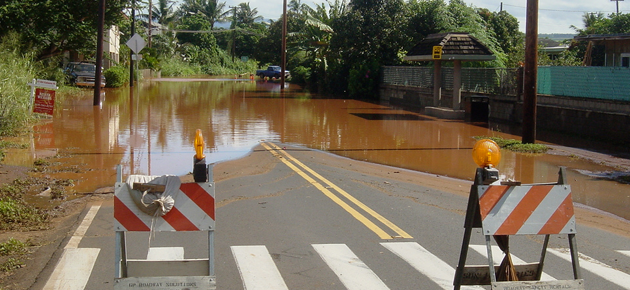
(294, 218)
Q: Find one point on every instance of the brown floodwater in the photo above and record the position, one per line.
(150, 129)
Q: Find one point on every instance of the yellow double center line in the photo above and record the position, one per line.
(292, 162)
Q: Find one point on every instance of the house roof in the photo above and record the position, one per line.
(554, 49)
(596, 37)
(455, 46)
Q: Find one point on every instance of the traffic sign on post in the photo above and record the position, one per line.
(437, 52)
(136, 43)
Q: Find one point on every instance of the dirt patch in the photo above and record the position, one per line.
(42, 243)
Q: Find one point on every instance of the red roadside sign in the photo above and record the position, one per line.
(44, 101)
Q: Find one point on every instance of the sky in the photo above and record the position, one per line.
(555, 16)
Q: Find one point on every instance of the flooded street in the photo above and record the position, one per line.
(150, 129)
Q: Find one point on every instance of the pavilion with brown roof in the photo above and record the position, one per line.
(455, 47)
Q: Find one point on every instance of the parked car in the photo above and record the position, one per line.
(273, 71)
(82, 74)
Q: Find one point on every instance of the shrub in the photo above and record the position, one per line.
(116, 76)
(300, 75)
(17, 215)
(12, 247)
(363, 80)
(150, 59)
(50, 69)
(17, 70)
(515, 145)
(173, 67)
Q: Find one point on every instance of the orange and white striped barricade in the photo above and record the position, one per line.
(193, 210)
(507, 209)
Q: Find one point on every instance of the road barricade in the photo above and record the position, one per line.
(503, 209)
(175, 207)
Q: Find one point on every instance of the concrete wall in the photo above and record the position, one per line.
(588, 118)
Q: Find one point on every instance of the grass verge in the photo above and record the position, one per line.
(12, 252)
(515, 145)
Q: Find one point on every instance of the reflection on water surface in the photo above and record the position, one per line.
(150, 129)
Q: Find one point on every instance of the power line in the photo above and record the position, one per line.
(557, 10)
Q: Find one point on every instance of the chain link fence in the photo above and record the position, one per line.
(501, 81)
(604, 83)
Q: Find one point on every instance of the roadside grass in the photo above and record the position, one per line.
(12, 252)
(16, 69)
(516, 146)
(16, 214)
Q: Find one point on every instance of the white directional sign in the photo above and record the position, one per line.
(136, 43)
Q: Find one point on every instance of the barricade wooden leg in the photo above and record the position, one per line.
(211, 253)
(462, 257)
(493, 275)
(120, 255)
(543, 253)
(575, 257)
(471, 213)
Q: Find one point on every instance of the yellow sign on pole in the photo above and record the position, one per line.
(437, 52)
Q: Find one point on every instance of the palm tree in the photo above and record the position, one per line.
(164, 13)
(314, 37)
(591, 22)
(246, 15)
(212, 10)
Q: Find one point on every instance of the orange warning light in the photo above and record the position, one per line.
(199, 145)
(486, 153)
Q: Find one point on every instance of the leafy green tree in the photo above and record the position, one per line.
(197, 48)
(165, 43)
(505, 28)
(465, 18)
(246, 31)
(196, 22)
(54, 27)
(425, 17)
(596, 23)
(246, 16)
(593, 23)
(314, 37)
(212, 10)
(367, 35)
(296, 8)
(269, 47)
(164, 13)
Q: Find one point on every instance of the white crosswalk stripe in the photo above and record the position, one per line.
(352, 272)
(426, 263)
(497, 256)
(258, 270)
(587, 263)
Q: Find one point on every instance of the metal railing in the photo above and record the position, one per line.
(603, 83)
(475, 80)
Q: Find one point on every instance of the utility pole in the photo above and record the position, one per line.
(133, 32)
(501, 10)
(617, 4)
(284, 44)
(99, 53)
(150, 19)
(233, 46)
(531, 71)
